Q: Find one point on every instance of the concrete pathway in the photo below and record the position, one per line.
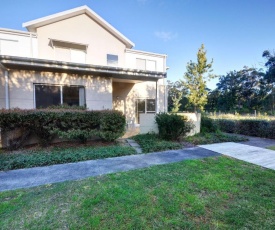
(134, 145)
(25, 178)
(255, 155)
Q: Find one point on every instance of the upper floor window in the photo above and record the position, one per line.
(151, 65)
(70, 52)
(141, 64)
(144, 64)
(112, 60)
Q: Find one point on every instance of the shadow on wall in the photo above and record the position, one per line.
(21, 87)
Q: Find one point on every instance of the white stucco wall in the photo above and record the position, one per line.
(18, 43)
(132, 55)
(125, 95)
(98, 90)
(147, 123)
(81, 29)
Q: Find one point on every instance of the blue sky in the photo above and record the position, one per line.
(235, 32)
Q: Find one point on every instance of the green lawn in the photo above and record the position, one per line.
(271, 147)
(212, 193)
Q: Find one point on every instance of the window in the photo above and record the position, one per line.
(69, 52)
(48, 95)
(144, 64)
(145, 106)
(141, 64)
(151, 106)
(151, 65)
(112, 60)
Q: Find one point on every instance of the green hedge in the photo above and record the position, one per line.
(208, 125)
(46, 124)
(250, 127)
(172, 126)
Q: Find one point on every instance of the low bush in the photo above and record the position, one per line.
(172, 126)
(152, 143)
(209, 138)
(228, 126)
(28, 159)
(208, 125)
(249, 127)
(46, 124)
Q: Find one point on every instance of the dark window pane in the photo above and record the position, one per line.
(47, 95)
(112, 59)
(70, 95)
(151, 105)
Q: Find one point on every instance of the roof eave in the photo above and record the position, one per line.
(11, 62)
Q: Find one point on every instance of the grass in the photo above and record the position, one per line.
(271, 147)
(33, 158)
(152, 143)
(209, 138)
(211, 193)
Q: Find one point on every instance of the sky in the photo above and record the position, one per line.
(235, 32)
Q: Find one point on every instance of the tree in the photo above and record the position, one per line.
(176, 102)
(176, 96)
(195, 78)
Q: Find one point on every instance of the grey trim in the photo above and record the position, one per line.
(59, 66)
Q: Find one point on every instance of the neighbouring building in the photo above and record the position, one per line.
(77, 58)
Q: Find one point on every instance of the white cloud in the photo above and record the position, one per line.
(165, 36)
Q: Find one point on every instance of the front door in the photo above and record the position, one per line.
(140, 108)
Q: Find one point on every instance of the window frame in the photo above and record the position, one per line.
(70, 46)
(146, 64)
(112, 63)
(145, 110)
(61, 92)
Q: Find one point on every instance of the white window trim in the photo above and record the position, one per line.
(112, 55)
(70, 49)
(146, 63)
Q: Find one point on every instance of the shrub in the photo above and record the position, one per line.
(112, 125)
(228, 126)
(172, 126)
(152, 143)
(208, 125)
(45, 124)
(69, 107)
(248, 126)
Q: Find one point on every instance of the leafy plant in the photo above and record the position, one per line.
(172, 126)
(208, 125)
(152, 143)
(46, 124)
(28, 159)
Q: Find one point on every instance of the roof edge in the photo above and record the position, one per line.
(32, 25)
(45, 64)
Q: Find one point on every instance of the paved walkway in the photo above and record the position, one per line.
(255, 155)
(24, 178)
